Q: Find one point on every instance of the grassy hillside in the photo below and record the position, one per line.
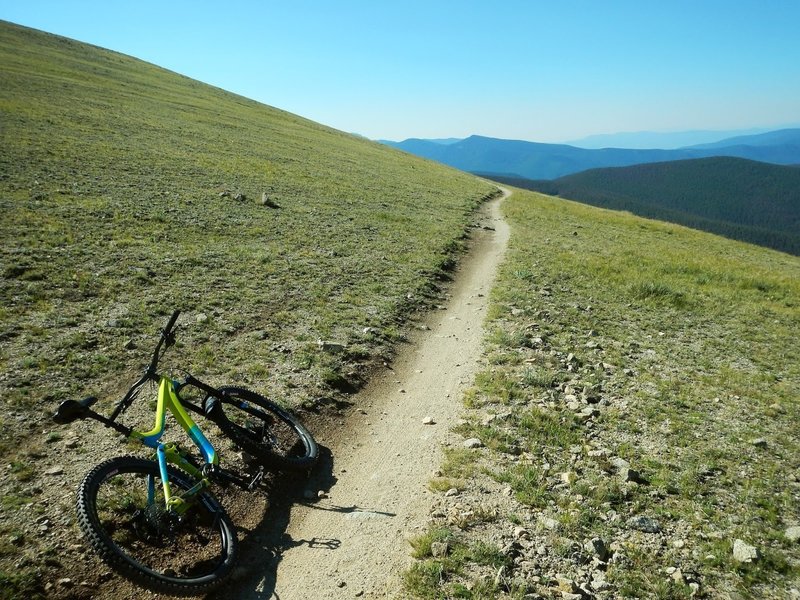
(741, 199)
(117, 187)
(638, 410)
(113, 172)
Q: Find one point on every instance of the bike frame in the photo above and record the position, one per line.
(168, 400)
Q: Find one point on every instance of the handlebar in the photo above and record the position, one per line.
(70, 410)
(167, 338)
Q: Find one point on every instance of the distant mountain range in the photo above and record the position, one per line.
(644, 140)
(533, 160)
(738, 198)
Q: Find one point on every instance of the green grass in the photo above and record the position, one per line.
(117, 186)
(445, 576)
(685, 343)
(112, 217)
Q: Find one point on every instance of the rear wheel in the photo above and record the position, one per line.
(121, 511)
(263, 429)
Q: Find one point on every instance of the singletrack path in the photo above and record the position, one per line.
(353, 541)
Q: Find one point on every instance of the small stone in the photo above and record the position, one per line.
(65, 581)
(451, 492)
(677, 576)
(330, 347)
(439, 549)
(569, 477)
(548, 523)
(793, 534)
(679, 544)
(743, 552)
(341, 584)
(632, 475)
(520, 532)
(759, 442)
(589, 412)
(129, 344)
(619, 464)
(201, 318)
(428, 421)
(266, 201)
(57, 470)
(645, 524)
(473, 443)
(597, 547)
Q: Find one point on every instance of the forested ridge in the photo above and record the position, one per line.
(738, 198)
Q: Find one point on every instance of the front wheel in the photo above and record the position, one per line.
(263, 429)
(122, 512)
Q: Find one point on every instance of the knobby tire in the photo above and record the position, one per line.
(263, 429)
(148, 544)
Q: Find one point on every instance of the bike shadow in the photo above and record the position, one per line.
(261, 548)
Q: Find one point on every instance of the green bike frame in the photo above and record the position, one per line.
(170, 453)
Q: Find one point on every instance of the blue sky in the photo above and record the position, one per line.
(539, 70)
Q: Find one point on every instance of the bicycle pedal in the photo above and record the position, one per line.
(258, 477)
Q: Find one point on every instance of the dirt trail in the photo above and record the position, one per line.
(353, 542)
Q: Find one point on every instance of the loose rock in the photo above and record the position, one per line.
(597, 547)
(473, 443)
(265, 200)
(793, 534)
(330, 347)
(743, 552)
(645, 524)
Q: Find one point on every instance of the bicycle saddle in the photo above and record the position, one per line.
(70, 410)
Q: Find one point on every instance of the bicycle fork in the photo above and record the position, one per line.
(166, 453)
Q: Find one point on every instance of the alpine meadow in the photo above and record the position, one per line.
(630, 430)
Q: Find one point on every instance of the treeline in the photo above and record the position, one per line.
(738, 198)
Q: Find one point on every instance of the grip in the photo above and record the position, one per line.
(171, 322)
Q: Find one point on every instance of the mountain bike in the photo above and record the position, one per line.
(155, 521)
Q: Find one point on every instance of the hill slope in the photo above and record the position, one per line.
(118, 182)
(635, 415)
(738, 198)
(533, 160)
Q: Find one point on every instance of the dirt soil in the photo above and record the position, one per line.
(370, 495)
